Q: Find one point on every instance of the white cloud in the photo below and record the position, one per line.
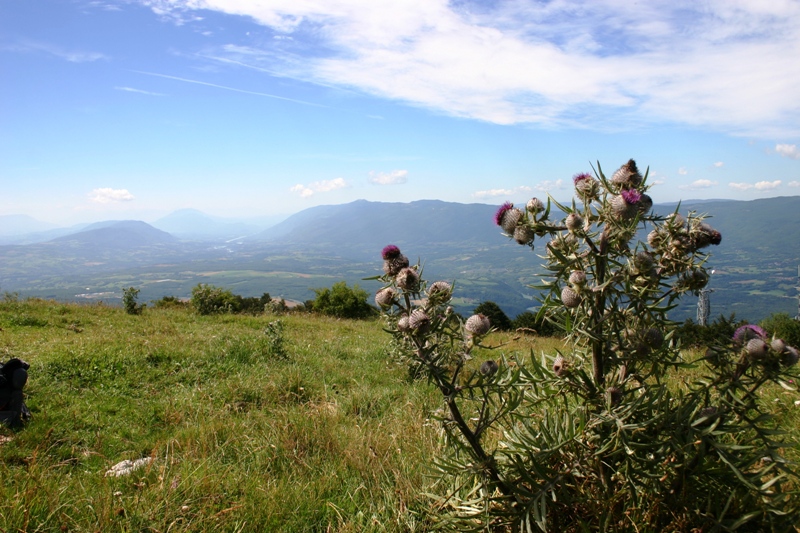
(767, 185)
(318, 186)
(549, 63)
(138, 91)
(788, 150)
(492, 193)
(107, 195)
(698, 184)
(760, 186)
(395, 177)
(682, 171)
(794, 184)
(546, 186)
(73, 56)
(719, 164)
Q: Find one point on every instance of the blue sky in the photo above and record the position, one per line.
(114, 109)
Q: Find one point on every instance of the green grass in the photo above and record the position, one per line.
(251, 426)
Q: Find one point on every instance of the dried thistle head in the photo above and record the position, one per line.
(385, 297)
(408, 279)
(478, 325)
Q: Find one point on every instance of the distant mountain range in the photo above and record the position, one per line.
(755, 266)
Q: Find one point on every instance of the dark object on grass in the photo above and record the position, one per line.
(13, 377)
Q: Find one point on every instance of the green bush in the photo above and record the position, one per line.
(720, 331)
(782, 326)
(342, 301)
(611, 433)
(532, 322)
(209, 300)
(169, 302)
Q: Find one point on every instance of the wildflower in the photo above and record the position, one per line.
(478, 325)
(747, 332)
(570, 298)
(385, 297)
(625, 205)
(393, 260)
(408, 279)
(627, 176)
(390, 252)
(488, 368)
(507, 217)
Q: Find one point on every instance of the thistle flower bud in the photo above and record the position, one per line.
(621, 208)
(614, 395)
(627, 176)
(560, 366)
(586, 187)
(478, 325)
(643, 261)
(756, 348)
(675, 221)
(577, 278)
(489, 368)
(655, 238)
(524, 234)
(402, 324)
(534, 206)
(645, 204)
(395, 264)
(654, 338)
(507, 217)
(440, 291)
(385, 297)
(790, 356)
(419, 321)
(574, 222)
(709, 413)
(702, 235)
(570, 298)
(778, 346)
(408, 279)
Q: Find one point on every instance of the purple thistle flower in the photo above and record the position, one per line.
(631, 196)
(747, 332)
(498, 217)
(580, 177)
(390, 252)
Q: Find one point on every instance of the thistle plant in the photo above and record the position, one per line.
(620, 431)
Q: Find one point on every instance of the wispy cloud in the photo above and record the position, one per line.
(547, 186)
(719, 164)
(107, 195)
(759, 186)
(698, 184)
(73, 56)
(311, 189)
(682, 171)
(794, 184)
(138, 91)
(557, 63)
(395, 177)
(788, 150)
(493, 193)
(225, 87)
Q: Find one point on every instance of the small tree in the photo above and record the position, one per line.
(130, 297)
(342, 301)
(599, 437)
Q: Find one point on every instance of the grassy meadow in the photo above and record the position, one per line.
(250, 423)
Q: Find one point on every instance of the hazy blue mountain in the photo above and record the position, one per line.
(11, 225)
(119, 234)
(755, 266)
(194, 224)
